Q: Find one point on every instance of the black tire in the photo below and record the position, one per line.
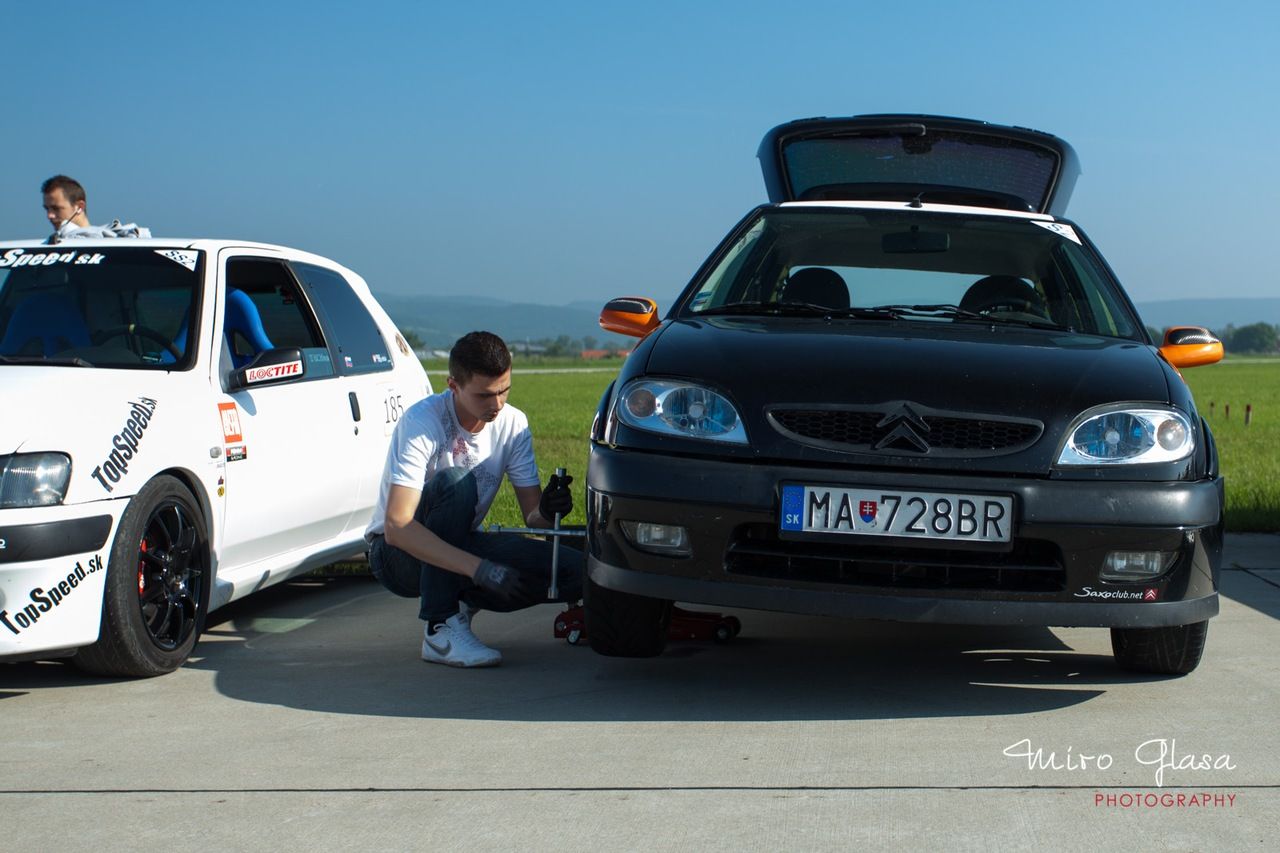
(157, 587)
(623, 625)
(1174, 650)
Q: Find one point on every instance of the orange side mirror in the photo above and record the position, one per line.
(630, 315)
(1190, 346)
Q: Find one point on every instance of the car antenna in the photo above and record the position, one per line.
(917, 201)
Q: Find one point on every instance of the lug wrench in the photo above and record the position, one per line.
(553, 591)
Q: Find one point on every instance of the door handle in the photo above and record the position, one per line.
(355, 406)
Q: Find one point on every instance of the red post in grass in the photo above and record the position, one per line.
(1211, 405)
(1248, 413)
(1226, 411)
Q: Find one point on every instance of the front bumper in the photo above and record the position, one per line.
(1049, 576)
(52, 576)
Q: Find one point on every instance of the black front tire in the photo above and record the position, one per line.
(623, 625)
(1173, 650)
(157, 586)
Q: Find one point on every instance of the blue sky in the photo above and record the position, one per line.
(557, 152)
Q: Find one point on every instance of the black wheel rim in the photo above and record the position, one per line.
(170, 584)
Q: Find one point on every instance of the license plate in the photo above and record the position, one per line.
(891, 512)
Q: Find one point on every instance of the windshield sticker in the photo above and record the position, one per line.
(23, 258)
(125, 443)
(230, 423)
(275, 371)
(43, 600)
(187, 259)
(1062, 231)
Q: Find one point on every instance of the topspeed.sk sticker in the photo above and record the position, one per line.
(23, 258)
(125, 443)
(41, 600)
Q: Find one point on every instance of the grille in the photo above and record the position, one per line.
(1032, 565)
(859, 429)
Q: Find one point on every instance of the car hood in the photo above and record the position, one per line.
(974, 371)
(81, 411)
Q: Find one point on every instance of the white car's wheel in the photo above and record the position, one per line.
(157, 587)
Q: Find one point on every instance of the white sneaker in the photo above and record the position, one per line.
(453, 644)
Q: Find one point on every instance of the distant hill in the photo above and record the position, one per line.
(1216, 314)
(441, 320)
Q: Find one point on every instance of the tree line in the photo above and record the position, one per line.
(1253, 338)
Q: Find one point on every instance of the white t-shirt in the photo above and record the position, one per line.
(429, 438)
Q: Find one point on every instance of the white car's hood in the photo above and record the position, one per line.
(105, 420)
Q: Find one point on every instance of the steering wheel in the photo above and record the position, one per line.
(1004, 294)
(136, 330)
(1011, 304)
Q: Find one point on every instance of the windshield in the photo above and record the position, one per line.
(104, 307)
(883, 265)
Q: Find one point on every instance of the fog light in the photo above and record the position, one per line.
(667, 539)
(1135, 565)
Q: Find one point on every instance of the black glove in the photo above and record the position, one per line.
(506, 583)
(556, 498)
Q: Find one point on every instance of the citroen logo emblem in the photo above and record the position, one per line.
(907, 430)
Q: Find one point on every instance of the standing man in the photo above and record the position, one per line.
(64, 205)
(446, 461)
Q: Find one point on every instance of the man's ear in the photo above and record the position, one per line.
(452, 383)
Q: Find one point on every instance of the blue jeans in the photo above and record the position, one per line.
(447, 509)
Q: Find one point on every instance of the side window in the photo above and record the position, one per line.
(356, 340)
(265, 310)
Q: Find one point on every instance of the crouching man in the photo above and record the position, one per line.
(447, 458)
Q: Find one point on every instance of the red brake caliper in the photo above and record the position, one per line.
(142, 571)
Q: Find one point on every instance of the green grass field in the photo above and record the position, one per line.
(1250, 454)
(560, 407)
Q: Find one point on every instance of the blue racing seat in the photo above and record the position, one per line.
(51, 320)
(242, 318)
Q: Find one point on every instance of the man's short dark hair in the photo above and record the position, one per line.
(70, 187)
(478, 352)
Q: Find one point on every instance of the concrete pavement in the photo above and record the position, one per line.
(306, 719)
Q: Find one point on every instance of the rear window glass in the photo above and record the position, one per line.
(354, 334)
(820, 168)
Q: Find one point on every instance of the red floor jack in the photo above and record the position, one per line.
(571, 624)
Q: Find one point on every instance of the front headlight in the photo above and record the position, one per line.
(1129, 436)
(33, 479)
(680, 408)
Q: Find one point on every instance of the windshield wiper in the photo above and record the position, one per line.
(805, 309)
(802, 309)
(955, 312)
(73, 361)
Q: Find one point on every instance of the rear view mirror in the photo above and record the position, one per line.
(271, 367)
(630, 315)
(915, 241)
(1190, 346)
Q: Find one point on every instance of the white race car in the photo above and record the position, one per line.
(182, 422)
